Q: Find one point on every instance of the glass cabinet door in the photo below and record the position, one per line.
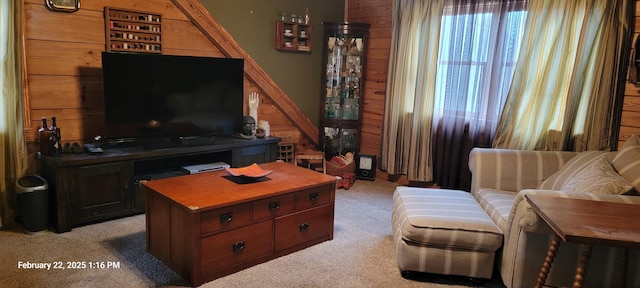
(339, 141)
(341, 108)
(344, 72)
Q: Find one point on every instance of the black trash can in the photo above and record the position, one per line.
(33, 203)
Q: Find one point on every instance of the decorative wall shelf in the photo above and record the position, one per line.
(291, 36)
(132, 31)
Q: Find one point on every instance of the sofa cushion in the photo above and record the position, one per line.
(627, 161)
(497, 204)
(513, 170)
(597, 177)
(444, 218)
(577, 163)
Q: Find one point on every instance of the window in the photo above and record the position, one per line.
(478, 49)
(450, 73)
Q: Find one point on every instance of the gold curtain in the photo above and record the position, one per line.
(566, 85)
(13, 152)
(406, 145)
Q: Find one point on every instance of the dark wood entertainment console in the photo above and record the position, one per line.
(87, 188)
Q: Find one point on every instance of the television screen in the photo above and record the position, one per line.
(152, 96)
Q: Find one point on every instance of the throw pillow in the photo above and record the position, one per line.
(577, 163)
(599, 178)
(627, 161)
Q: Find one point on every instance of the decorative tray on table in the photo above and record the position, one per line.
(251, 171)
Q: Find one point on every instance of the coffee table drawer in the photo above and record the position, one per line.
(225, 218)
(313, 197)
(304, 226)
(271, 207)
(228, 249)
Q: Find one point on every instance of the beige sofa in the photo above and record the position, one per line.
(502, 177)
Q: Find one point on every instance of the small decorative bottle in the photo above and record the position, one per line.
(55, 138)
(356, 111)
(346, 111)
(43, 138)
(336, 111)
(330, 113)
(306, 16)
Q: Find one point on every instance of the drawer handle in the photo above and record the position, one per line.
(274, 206)
(238, 246)
(314, 196)
(225, 218)
(304, 227)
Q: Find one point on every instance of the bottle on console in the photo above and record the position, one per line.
(54, 143)
(43, 138)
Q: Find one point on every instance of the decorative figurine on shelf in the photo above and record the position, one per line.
(248, 128)
(254, 102)
(306, 16)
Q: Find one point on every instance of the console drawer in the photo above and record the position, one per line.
(304, 226)
(313, 197)
(225, 218)
(228, 249)
(273, 206)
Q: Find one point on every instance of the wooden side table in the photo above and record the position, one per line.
(309, 159)
(587, 222)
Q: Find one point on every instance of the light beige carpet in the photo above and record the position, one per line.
(360, 255)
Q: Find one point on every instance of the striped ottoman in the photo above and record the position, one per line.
(444, 232)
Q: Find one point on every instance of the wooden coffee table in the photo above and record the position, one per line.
(588, 222)
(208, 225)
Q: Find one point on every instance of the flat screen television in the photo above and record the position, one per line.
(151, 97)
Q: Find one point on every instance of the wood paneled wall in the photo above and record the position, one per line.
(64, 75)
(378, 14)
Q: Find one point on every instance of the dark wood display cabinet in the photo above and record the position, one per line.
(88, 188)
(345, 47)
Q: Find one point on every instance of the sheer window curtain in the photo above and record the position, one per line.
(455, 94)
(12, 143)
(479, 47)
(567, 90)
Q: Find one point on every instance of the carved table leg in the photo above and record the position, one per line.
(546, 266)
(581, 271)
